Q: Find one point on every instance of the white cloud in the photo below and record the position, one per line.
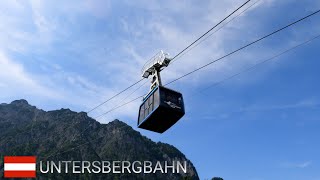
(18, 81)
(305, 103)
(300, 165)
(169, 33)
(58, 33)
(44, 27)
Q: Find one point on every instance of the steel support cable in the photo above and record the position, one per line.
(126, 97)
(229, 54)
(286, 51)
(115, 95)
(274, 32)
(210, 30)
(203, 35)
(215, 84)
(204, 65)
(205, 38)
(258, 64)
(180, 51)
(243, 47)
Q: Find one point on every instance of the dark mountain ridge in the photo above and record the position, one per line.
(67, 135)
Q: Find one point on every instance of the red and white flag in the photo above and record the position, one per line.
(19, 166)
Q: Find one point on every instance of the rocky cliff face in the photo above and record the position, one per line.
(67, 135)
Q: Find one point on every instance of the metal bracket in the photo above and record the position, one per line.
(153, 67)
(156, 63)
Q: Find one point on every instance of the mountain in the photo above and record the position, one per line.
(66, 135)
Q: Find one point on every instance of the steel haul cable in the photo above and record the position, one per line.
(258, 64)
(223, 57)
(260, 39)
(115, 95)
(210, 30)
(205, 38)
(176, 57)
(127, 96)
(177, 54)
(243, 47)
(217, 83)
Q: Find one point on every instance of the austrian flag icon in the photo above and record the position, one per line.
(19, 166)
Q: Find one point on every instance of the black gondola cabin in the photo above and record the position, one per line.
(160, 109)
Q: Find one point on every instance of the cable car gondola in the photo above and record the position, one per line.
(162, 107)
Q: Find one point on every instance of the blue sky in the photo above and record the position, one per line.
(260, 125)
